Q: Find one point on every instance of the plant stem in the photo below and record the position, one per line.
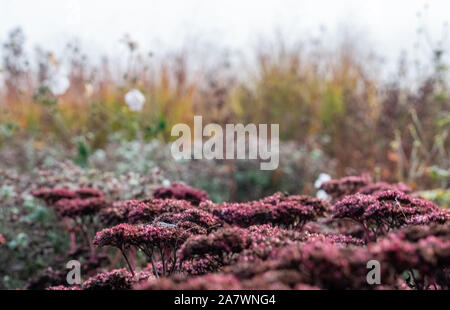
(128, 263)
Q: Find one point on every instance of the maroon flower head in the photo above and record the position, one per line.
(52, 195)
(222, 242)
(196, 216)
(147, 210)
(385, 210)
(87, 192)
(277, 209)
(182, 192)
(383, 186)
(354, 206)
(119, 279)
(118, 212)
(120, 236)
(345, 186)
(204, 282)
(80, 207)
(161, 236)
(192, 228)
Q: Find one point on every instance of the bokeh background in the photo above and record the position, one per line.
(357, 87)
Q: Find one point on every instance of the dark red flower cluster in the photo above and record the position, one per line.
(307, 266)
(278, 242)
(87, 192)
(192, 228)
(383, 186)
(385, 210)
(425, 256)
(359, 184)
(203, 265)
(206, 282)
(83, 201)
(52, 195)
(2, 239)
(78, 207)
(156, 241)
(345, 186)
(118, 212)
(160, 236)
(78, 210)
(183, 192)
(225, 241)
(333, 238)
(120, 236)
(415, 233)
(148, 210)
(196, 216)
(293, 211)
(266, 238)
(119, 279)
(275, 280)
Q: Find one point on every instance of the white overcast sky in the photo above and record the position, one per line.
(390, 25)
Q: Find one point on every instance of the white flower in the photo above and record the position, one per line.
(322, 195)
(135, 100)
(323, 177)
(59, 84)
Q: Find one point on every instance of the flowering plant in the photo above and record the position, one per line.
(379, 213)
(293, 211)
(182, 192)
(277, 242)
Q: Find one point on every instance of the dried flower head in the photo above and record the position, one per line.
(120, 236)
(147, 210)
(278, 209)
(80, 207)
(119, 279)
(201, 218)
(118, 212)
(222, 242)
(383, 186)
(385, 210)
(52, 195)
(182, 192)
(345, 186)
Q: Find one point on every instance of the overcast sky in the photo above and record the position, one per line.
(390, 25)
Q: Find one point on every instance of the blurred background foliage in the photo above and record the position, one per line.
(328, 100)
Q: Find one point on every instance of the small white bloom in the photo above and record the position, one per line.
(135, 100)
(323, 177)
(59, 84)
(322, 195)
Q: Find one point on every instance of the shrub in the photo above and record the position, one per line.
(278, 242)
(293, 211)
(114, 280)
(379, 213)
